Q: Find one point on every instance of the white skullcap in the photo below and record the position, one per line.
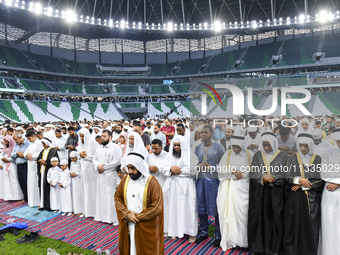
(176, 140)
(54, 159)
(336, 134)
(73, 154)
(49, 125)
(316, 133)
(64, 162)
(252, 129)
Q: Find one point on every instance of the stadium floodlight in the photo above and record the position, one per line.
(56, 13)
(200, 26)
(70, 16)
(181, 26)
(223, 25)
(62, 14)
(295, 20)
(302, 19)
(253, 24)
(49, 11)
(175, 26)
(30, 7)
(337, 14)
(87, 19)
(99, 21)
(117, 23)
(23, 5)
(217, 25)
(139, 25)
(260, 22)
(330, 16)
(9, 2)
(188, 26)
(110, 23)
(134, 25)
(105, 22)
(205, 25)
(235, 24)
(288, 21)
(81, 18)
(275, 22)
(280, 21)
(170, 26)
(268, 22)
(16, 4)
(38, 8)
(92, 20)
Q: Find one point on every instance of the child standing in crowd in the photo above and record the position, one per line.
(53, 177)
(77, 191)
(65, 192)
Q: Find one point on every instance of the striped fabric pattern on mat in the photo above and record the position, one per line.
(89, 234)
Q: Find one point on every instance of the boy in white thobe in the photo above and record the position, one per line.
(53, 176)
(65, 189)
(77, 190)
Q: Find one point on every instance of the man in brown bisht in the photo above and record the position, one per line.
(139, 205)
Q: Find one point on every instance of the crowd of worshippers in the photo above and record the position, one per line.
(270, 190)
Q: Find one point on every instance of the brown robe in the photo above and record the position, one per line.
(150, 228)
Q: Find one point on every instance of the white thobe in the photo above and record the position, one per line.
(77, 189)
(89, 185)
(110, 155)
(134, 198)
(60, 143)
(154, 160)
(12, 190)
(32, 175)
(50, 135)
(65, 191)
(330, 206)
(2, 177)
(322, 147)
(53, 176)
(232, 201)
(180, 192)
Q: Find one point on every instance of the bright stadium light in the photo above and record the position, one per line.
(139, 25)
(56, 13)
(16, 4)
(122, 24)
(205, 25)
(170, 26)
(31, 7)
(288, 21)
(38, 8)
(23, 4)
(280, 21)
(9, 2)
(302, 19)
(268, 22)
(330, 16)
(49, 11)
(253, 24)
(217, 25)
(260, 23)
(70, 16)
(110, 23)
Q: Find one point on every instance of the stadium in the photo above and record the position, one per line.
(94, 61)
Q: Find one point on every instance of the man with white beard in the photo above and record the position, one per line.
(86, 148)
(31, 154)
(233, 194)
(330, 202)
(106, 160)
(49, 133)
(59, 144)
(180, 191)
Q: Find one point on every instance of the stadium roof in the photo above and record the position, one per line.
(147, 19)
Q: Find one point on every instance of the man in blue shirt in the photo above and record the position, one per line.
(158, 135)
(18, 156)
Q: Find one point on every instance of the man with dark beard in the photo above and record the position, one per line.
(139, 204)
(180, 191)
(105, 160)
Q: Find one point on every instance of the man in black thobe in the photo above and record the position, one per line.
(44, 165)
(266, 197)
(303, 200)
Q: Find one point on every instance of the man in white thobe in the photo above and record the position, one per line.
(105, 160)
(233, 194)
(59, 144)
(156, 160)
(330, 202)
(31, 154)
(320, 145)
(86, 149)
(180, 191)
(49, 133)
